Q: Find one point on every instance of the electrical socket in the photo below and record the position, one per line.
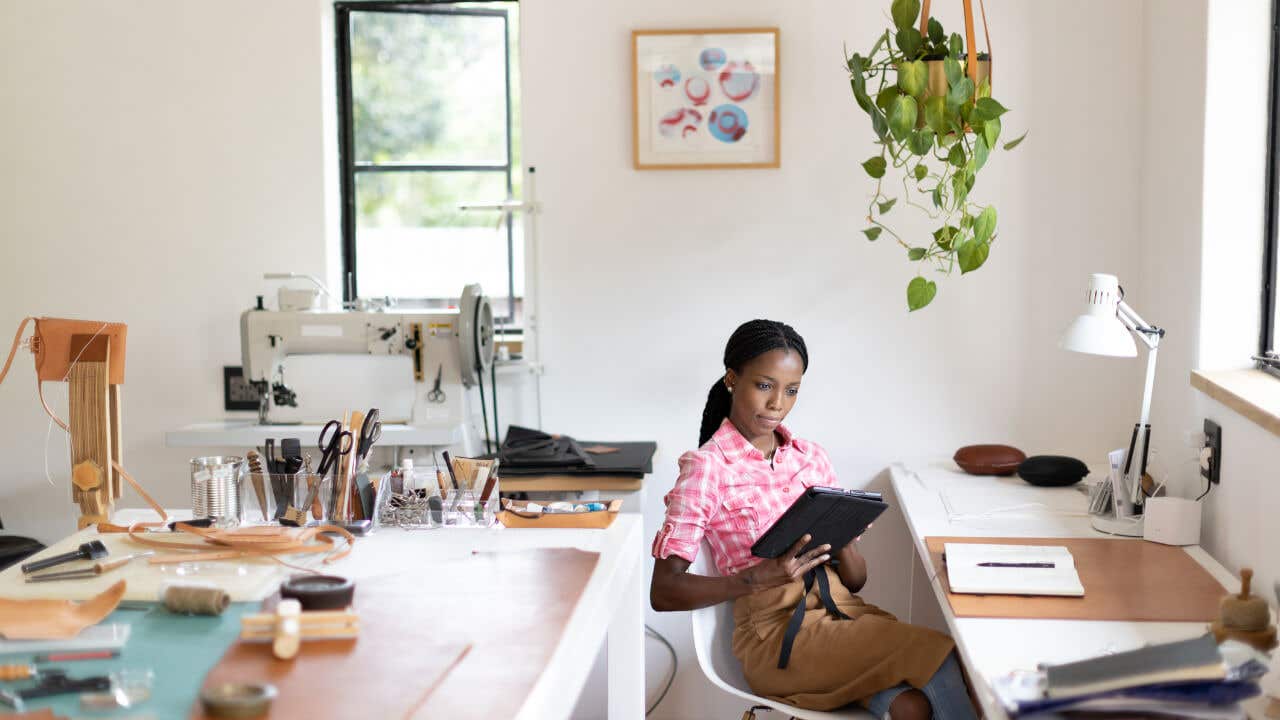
(1213, 449)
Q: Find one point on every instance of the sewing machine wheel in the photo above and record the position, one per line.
(475, 333)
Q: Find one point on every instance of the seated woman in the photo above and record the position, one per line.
(747, 472)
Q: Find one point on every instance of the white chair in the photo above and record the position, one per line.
(713, 643)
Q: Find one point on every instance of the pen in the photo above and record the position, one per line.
(1017, 565)
(448, 465)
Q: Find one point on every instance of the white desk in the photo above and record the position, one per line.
(611, 606)
(992, 647)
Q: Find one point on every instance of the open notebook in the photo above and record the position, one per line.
(1006, 573)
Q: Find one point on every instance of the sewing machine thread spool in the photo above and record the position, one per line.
(215, 489)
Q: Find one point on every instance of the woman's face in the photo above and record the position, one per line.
(765, 391)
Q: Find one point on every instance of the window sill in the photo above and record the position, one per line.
(1250, 392)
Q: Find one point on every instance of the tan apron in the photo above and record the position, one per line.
(833, 662)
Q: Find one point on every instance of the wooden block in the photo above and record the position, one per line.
(86, 476)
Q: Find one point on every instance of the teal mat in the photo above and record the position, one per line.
(179, 649)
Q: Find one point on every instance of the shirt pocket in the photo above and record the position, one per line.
(740, 508)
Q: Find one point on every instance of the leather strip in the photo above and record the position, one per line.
(797, 617)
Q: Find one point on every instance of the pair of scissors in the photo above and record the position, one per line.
(334, 443)
(369, 433)
(436, 395)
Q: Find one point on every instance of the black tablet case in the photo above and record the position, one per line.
(832, 515)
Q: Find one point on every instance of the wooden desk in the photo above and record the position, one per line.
(992, 647)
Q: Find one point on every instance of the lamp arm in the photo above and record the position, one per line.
(1150, 334)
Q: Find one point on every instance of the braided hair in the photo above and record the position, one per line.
(751, 340)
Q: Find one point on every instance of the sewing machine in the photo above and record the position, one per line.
(450, 350)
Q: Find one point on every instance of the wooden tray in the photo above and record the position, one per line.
(595, 519)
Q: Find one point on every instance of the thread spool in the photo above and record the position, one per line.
(194, 599)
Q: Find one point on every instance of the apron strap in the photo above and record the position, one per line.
(797, 616)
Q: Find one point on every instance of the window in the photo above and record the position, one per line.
(1268, 352)
(427, 118)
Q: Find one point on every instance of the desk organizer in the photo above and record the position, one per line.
(515, 514)
(434, 507)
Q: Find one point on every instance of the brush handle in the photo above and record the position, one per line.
(49, 562)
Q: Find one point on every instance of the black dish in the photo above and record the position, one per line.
(1052, 470)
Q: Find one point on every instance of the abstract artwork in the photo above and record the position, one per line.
(705, 98)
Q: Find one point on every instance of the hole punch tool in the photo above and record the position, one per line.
(97, 569)
(92, 550)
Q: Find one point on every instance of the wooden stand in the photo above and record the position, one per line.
(94, 423)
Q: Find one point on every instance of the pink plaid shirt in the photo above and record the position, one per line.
(728, 493)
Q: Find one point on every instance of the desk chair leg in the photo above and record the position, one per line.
(750, 714)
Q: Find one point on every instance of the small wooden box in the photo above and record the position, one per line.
(595, 519)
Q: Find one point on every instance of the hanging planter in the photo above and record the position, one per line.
(928, 95)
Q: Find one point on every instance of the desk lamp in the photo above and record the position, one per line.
(1107, 327)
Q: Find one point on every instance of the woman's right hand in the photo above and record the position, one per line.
(787, 567)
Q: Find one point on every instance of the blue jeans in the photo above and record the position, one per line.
(945, 690)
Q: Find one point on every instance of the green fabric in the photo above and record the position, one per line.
(179, 649)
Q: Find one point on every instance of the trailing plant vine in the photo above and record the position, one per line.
(937, 135)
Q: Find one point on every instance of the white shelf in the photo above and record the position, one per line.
(235, 433)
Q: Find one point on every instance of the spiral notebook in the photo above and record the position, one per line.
(980, 569)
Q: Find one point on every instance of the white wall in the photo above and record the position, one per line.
(645, 274)
(1202, 251)
(160, 155)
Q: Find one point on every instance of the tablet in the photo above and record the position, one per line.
(832, 515)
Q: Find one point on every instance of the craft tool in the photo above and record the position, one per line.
(92, 550)
(97, 569)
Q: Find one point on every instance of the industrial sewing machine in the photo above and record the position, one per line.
(450, 349)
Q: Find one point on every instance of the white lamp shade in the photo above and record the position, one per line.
(1099, 331)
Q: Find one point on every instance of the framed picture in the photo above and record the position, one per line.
(705, 99)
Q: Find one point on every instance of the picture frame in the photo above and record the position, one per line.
(706, 99)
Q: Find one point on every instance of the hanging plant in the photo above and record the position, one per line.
(937, 124)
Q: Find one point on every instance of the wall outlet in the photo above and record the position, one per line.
(1211, 455)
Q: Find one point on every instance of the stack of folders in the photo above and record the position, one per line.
(1188, 679)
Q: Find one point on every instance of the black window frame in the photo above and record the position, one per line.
(1268, 356)
(348, 167)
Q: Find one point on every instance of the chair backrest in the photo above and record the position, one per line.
(713, 634)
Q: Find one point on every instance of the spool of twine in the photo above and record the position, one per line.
(196, 599)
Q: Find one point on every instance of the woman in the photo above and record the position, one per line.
(747, 472)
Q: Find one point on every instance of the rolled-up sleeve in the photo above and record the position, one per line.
(691, 505)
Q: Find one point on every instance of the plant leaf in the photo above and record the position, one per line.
(916, 253)
(905, 12)
(921, 171)
(875, 166)
(960, 93)
(985, 224)
(909, 42)
(920, 142)
(913, 77)
(885, 99)
(956, 156)
(991, 131)
(972, 254)
(984, 88)
(935, 114)
(1015, 143)
(920, 293)
(872, 233)
(988, 108)
(903, 118)
(980, 152)
(887, 205)
(878, 122)
(956, 45)
(951, 67)
(936, 34)
(936, 196)
(945, 236)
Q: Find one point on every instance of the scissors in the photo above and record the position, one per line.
(369, 433)
(437, 395)
(333, 444)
